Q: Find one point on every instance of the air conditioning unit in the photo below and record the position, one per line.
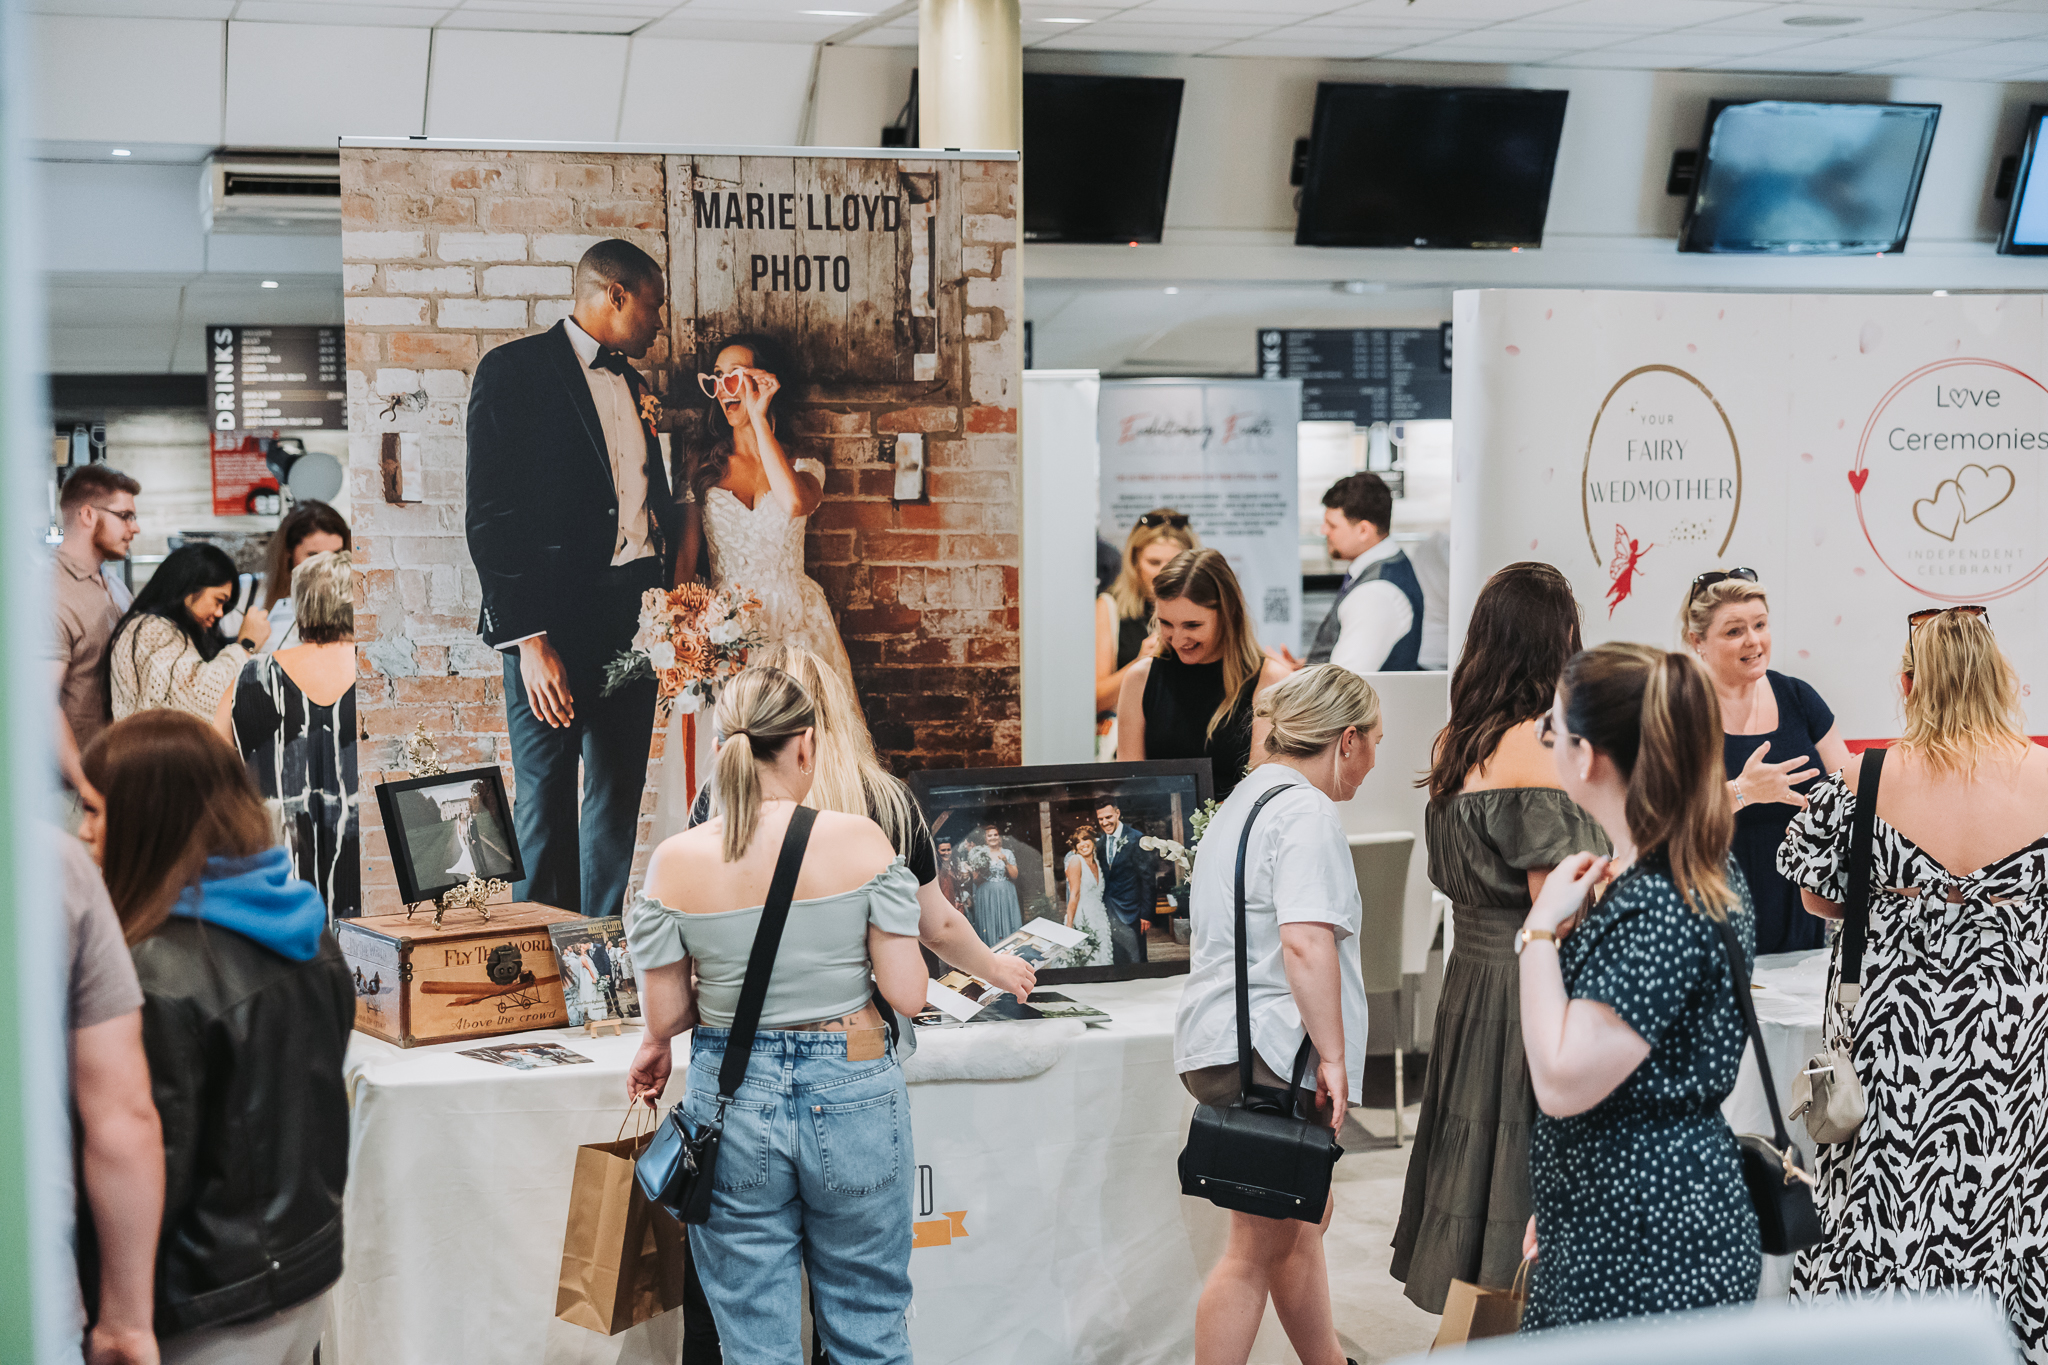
(272, 192)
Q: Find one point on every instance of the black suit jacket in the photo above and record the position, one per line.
(1128, 886)
(542, 518)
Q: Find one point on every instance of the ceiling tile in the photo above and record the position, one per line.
(714, 27)
(1647, 14)
(1122, 26)
(1869, 18)
(1473, 11)
(1163, 43)
(1367, 34)
(1878, 48)
(1281, 45)
(1982, 25)
(554, 21)
(378, 16)
(1645, 61)
(135, 9)
(1703, 46)
(1478, 53)
(1277, 9)
(1540, 33)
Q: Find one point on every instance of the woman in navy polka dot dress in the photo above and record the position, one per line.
(1630, 1022)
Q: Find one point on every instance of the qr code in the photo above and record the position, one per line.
(1277, 607)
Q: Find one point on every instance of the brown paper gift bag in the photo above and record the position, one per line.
(1473, 1314)
(622, 1257)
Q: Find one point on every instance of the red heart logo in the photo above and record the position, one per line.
(1857, 478)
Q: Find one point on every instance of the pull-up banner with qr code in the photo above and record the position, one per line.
(1222, 453)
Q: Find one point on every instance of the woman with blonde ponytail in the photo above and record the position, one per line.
(821, 1125)
(1629, 1015)
(1941, 1183)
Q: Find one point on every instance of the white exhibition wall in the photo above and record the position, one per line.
(1057, 597)
(1869, 455)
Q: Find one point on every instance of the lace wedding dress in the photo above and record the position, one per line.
(761, 549)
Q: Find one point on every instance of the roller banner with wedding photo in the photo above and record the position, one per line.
(618, 418)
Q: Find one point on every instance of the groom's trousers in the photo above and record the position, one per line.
(580, 857)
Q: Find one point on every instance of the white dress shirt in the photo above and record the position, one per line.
(1372, 618)
(1297, 871)
(625, 442)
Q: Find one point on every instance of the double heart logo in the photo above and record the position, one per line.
(1974, 491)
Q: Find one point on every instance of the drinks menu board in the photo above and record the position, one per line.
(1363, 375)
(277, 378)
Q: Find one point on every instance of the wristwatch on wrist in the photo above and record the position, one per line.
(247, 643)
(1528, 936)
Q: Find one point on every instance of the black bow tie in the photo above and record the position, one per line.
(615, 361)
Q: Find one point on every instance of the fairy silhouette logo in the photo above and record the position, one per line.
(1947, 479)
(1662, 468)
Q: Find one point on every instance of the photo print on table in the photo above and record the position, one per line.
(1069, 843)
(526, 1056)
(447, 828)
(597, 970)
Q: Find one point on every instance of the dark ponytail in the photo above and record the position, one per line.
(1656, 716)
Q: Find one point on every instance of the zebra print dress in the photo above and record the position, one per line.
(1945, 1185)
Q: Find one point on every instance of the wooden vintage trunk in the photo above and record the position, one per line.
(417, 984)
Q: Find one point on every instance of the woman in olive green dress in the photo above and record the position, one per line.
(1496, 824)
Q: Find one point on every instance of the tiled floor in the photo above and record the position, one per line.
(1375, 1321)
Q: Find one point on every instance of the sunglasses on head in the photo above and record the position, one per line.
(1708, 580)
(1917, 619)
(1153, 520)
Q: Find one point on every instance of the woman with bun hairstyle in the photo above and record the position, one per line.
(1319, 735)
(1941, 1183)
(815, 1166)
(1497, 822)
(1193, 698)
(1629, 1015)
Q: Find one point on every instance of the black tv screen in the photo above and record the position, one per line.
(1429, 166)
(1785, 177)
(2026, 219)
(1098, 154)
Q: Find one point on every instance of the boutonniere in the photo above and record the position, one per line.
(650, 410)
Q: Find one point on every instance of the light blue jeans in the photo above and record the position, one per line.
(814, 1174)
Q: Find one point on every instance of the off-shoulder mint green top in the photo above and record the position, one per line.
(822, 968)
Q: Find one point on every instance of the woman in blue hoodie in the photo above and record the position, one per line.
(247, 1008)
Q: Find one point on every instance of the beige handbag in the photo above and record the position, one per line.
(1829, 1093)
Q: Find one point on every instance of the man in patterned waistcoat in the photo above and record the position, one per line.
(1375, 625)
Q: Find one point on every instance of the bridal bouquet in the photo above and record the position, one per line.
(690, 640)
(978, 860)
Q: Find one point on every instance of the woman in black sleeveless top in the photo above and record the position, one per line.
(1194, 698)
(1123, 615)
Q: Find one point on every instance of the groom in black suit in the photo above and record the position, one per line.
(570, 519)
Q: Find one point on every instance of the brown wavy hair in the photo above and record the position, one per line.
(712, 453)
(1204, 578)
(176, 794)
(1654, 713)
(1523, 628)
(308, 518)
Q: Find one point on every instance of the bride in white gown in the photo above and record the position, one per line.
(1085, 909)
(751, 502)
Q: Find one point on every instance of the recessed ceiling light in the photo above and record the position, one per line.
(270, 284)
(122, 151)
(1065, 21)
(1822, 20)
(1941, 293)
(1171, 289)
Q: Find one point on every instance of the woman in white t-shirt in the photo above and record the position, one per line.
(1301, 908)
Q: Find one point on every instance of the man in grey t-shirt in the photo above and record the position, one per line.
(121, 1141)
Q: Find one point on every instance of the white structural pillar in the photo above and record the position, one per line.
(970, 74)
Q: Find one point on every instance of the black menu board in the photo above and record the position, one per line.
(1365, 374)
(276, 378)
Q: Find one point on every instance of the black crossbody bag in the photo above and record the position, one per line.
(1786, 1220)
(1255, 1156)
(676, 1169)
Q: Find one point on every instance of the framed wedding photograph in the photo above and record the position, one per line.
(449, 827)
(1078, 844)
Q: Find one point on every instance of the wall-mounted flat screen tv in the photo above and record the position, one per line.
(1429, 166)
(1098, 154)
(2026, 217)
(1788, 177)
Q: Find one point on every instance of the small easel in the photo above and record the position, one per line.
(593, 1027)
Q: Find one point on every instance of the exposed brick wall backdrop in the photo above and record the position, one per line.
(446, 254)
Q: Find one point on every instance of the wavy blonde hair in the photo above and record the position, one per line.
(1698, 612)
(1128, 592)
(1964, 702)
(849, 778)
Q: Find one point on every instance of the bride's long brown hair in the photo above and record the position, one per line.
(711, 453)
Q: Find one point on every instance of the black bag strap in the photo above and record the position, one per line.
(1862, 853)
(1747, 1007)
(746, 1019)
(1244, 970)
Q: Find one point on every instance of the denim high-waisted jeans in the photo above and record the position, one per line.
(814, 1171)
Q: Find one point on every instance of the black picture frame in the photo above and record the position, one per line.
(2017, 201)
(410, 835)
(1149, 792)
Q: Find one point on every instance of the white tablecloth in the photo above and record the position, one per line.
(1078, 1248)
(1788, 1014)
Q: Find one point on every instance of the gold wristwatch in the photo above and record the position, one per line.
(1528, 936)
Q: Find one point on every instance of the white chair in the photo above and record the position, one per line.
(1380, 862)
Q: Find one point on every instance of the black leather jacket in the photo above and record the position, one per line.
(245, 1061)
